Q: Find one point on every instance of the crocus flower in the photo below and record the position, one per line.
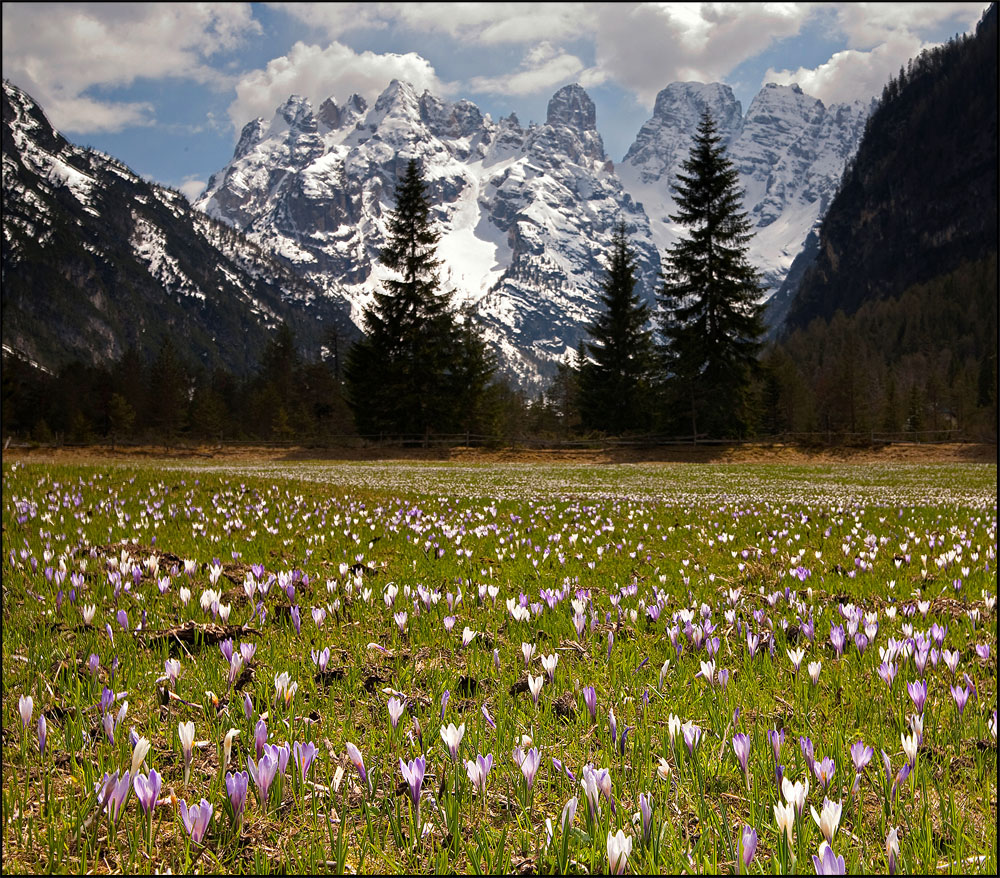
(226, 648)
(961, 696)
(828, 819)
(185, 731)
(263, 772)
(568, 814)
(619, 848)
(807, 753)
(590, 699)
(396, 708)
(25, 706)
(478, 770)
(535, 686)
(549, 663)
(413, 774)
(741, 747)
(147, 790)
(529, 765)
(796, 656)
(468, 635)
(42, 730)
(784, 816)
(488, 718)
(861, 756)
(122, 618)
(359, 762)
(172, 669)
(814, 669)
(892, 849)
(692, 735)
(93, 663)
(748, 847)
(918, 694)
(824, 771)
(117, 791)
(795, 793)
(646, 815)
(828, 863)
(910, 747)
(139, 751)
(248, 707)
(444, 701)
(196, 819)
(304, 755)
(296, 615)
(236, 787)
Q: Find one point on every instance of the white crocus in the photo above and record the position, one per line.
(139, 754)
(828, 820)
(619, 848)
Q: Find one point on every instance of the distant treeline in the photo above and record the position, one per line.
(925, 361)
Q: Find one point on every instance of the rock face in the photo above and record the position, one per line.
(97, 260)
(789, 150)
(525, 214)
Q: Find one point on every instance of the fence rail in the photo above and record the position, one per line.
(482, 440)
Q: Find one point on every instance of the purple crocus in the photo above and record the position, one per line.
(646, 812)
(807, 753)
(263, 773)
(488, 718)
(529, 765)
(824, 771)
(43, 729)
(296, 615)
(248, 708)
(828, 863)
(918, 694)
(413, 774)
(861, 755)
(122, 618)
(359, 762)
(590, 699)
(838, 639)
(236, 786)
(444, 701)
(748, 847)
(226, 648)
(304, 756)
(961, 696)
(692, 735)
(196, 819)
(741, 747)
(147, 790)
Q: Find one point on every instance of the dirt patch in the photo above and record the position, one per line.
(749, 453)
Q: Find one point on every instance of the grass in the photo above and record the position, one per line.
(760, 549)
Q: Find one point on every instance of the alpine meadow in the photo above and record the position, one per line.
(394, 486)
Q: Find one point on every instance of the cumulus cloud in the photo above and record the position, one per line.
(56, 52)
(317, 73)
(645, 47)
(192, 187)
(852, 74)
(476, 23)
(867, 25)
(544, 67)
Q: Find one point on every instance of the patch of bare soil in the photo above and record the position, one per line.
(955, 452)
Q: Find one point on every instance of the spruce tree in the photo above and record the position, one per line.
(711, 321)
(418, 369)
(615, 380)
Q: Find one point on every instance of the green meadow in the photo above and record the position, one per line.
(520, 668)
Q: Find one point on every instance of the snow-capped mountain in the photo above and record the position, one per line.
(97, 260)
(789, 150)
(525, 214)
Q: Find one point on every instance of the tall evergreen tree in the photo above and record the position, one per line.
(417, 359)
(710, 320)
(615, 380)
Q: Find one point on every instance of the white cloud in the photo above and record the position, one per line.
(867, 25)
(543, 68)
(645, 47)
(57, 51)
(336, 71)
(192, 187)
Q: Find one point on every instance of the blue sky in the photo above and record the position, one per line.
(166, 87)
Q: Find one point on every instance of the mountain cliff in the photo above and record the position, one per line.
(97, 260)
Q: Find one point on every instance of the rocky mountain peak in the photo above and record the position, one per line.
(682, 103)
(297, 113)
(572, 106)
